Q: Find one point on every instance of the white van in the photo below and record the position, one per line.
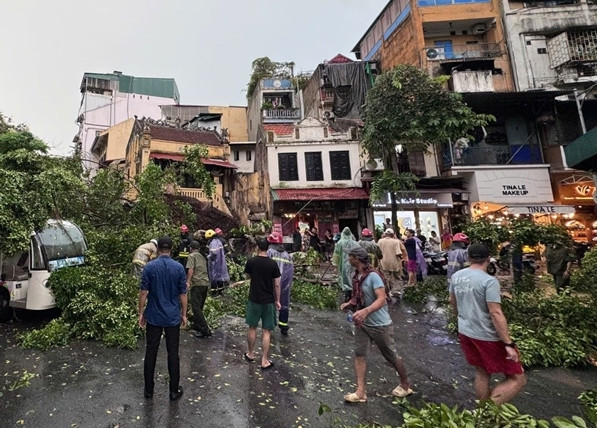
(60, 243)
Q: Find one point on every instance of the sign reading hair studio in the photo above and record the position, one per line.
(424, 200)
(526, 185)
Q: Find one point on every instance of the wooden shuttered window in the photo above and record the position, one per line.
(287, 167)
(340, 165)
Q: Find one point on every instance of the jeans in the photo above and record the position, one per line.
(153, 336)
(198, 297)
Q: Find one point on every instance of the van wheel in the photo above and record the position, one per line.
(5, 309)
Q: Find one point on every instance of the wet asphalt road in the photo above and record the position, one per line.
(87, 385)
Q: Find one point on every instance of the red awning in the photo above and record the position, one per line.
(218, 162)
(319, 194)
(176, 157)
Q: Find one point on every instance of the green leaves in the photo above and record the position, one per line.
(408, 107)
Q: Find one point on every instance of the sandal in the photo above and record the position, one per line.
(271, 364)
(354, 398)
(249, 359)
(401, 392)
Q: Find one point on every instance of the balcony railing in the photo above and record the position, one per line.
(327, 95)
(217, 201)
(495, 155)
(463, 52)
(281, 115)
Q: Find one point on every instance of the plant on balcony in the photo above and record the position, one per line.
(267, 105)
(264, 68)
(407, 108)
(193, 166)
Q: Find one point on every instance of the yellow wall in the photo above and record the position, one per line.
(235, 120)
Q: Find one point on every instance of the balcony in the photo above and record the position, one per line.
(217, 200)
(453, 155)
(281, 115)
(462, 53)
(327, 95)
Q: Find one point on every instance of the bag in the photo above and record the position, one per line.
(357, 292)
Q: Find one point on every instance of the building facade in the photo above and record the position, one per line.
(108, 99)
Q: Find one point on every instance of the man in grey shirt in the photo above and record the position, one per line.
(483, 329)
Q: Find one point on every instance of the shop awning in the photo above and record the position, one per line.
(582, 152)
(218, 162)
(177, 158)
(319, 194)
(540, 209)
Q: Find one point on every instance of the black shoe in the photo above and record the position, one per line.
(284, 331)
(148, 394)
(201, 335)
(176, 395)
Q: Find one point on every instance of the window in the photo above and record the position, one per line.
(314, 166)
(236, 155)
(249, 155)
(287, 167)
(340, 165)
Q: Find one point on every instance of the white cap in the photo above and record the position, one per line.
(389, 231)
(154, 242)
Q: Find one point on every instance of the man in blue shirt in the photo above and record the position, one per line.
(164, 289)
(373, 323)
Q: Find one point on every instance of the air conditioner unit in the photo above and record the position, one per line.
(375, 164)
(436, 53)
(479, 28)
(328, 115)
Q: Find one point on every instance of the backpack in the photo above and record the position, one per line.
(356, 285)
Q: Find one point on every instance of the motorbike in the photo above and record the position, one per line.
(503, 262)
(437, 263)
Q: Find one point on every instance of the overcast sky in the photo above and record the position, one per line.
(208, 47)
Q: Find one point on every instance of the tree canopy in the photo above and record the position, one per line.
(408, 107)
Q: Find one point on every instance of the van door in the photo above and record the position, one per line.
(39, 296)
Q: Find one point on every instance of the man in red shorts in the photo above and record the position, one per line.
(483, 329)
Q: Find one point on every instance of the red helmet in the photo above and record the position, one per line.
(460, 237)
(274, 238)
(184, 228)
(366, 232)
(218, 231)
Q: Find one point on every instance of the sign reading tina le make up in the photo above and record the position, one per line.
(515, 185)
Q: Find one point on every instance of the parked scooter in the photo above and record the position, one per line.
(437, 263)
(503, 262)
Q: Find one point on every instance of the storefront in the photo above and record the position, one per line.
(428, 211)
(577, 190)
(329, 208)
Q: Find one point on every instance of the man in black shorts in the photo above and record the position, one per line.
(264, 301)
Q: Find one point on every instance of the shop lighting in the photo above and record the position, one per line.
(485, 207)
(490, 216)
(516, 215)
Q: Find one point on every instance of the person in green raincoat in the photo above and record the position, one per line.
(340, 260)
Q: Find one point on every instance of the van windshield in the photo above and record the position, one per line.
(64, 244)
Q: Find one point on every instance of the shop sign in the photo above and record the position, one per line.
(513, 185)
(578, 193)
(440, 200)
(348, 214)
(278, 228)
(541, 209)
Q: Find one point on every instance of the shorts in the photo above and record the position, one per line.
(411, 265)
(382, 336)
(266, 312)
(489, 355)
